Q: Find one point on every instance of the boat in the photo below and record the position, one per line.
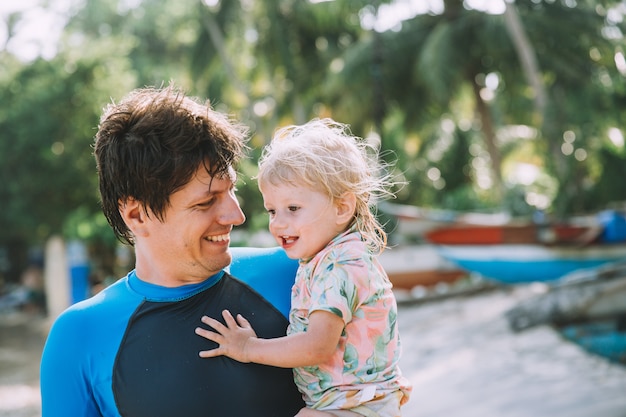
(412, 222)
(410, 266)
(524, 263)
(528, 252)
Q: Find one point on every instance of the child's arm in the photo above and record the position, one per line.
(238, 341)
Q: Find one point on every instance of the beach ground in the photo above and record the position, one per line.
(459, 353)
(464, 361)
(22, 336)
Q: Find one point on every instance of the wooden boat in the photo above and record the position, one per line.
(520, 233)
(413, 222)
(516, 253)
(418, 265)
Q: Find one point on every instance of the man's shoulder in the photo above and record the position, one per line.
(111, 299)
(250, 263)
(269, 271)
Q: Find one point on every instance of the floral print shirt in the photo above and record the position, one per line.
(346, 280)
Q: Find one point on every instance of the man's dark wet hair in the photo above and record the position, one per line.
(151, 143)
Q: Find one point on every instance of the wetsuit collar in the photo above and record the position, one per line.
(153, 292)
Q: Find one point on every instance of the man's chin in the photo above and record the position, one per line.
(224, 259)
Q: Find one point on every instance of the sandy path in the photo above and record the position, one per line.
(464, 361)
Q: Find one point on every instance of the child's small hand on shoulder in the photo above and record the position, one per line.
(232, 338)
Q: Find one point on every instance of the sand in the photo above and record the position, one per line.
(464, 361)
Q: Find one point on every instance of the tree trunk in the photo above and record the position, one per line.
(528, 60)
(217, 40)
(490, 140)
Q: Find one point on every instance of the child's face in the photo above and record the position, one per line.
(302, 220)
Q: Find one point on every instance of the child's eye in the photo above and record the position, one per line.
(293, 208)
(271, 212)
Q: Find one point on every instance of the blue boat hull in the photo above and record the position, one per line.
(529, 263)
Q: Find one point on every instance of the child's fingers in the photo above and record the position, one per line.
(210, 353)
(209, 321)
(243, 322)
(228, 318)
(210, 335)
(213, 336)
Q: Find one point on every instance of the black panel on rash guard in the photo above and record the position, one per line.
(147, 383)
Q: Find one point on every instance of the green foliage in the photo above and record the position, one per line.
(274, 62)
(250, 198)
(604, 192)
(49, 114)
(40, 141)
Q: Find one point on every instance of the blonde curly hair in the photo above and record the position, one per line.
(324, 155)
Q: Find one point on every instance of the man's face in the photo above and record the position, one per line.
(191, 243)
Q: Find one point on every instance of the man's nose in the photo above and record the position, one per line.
(232, 213)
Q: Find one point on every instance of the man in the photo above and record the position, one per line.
(167, 182)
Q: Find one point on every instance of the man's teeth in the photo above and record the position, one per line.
(218, 238)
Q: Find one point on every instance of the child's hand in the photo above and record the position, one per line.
(232, 338)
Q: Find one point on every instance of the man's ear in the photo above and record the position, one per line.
(345, 206)
(134, 215)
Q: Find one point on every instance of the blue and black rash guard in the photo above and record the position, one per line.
(131, 350)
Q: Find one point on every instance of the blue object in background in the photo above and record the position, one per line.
(601, 337)
(614, 226)
(78, 264)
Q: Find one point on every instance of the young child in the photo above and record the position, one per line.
(318, 182)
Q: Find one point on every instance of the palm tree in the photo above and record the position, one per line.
(425, 68)
(435, 62)
(574, 55)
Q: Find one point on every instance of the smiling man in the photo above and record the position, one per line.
(166, 167)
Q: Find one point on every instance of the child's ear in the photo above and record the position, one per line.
(346, 205)
(134, 215)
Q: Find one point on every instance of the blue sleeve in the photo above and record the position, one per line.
(78, 357)
(268, 271)
(63, 390)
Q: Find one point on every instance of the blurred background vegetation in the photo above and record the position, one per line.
(484, 105)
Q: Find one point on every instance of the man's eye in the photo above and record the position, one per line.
(205, 203)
